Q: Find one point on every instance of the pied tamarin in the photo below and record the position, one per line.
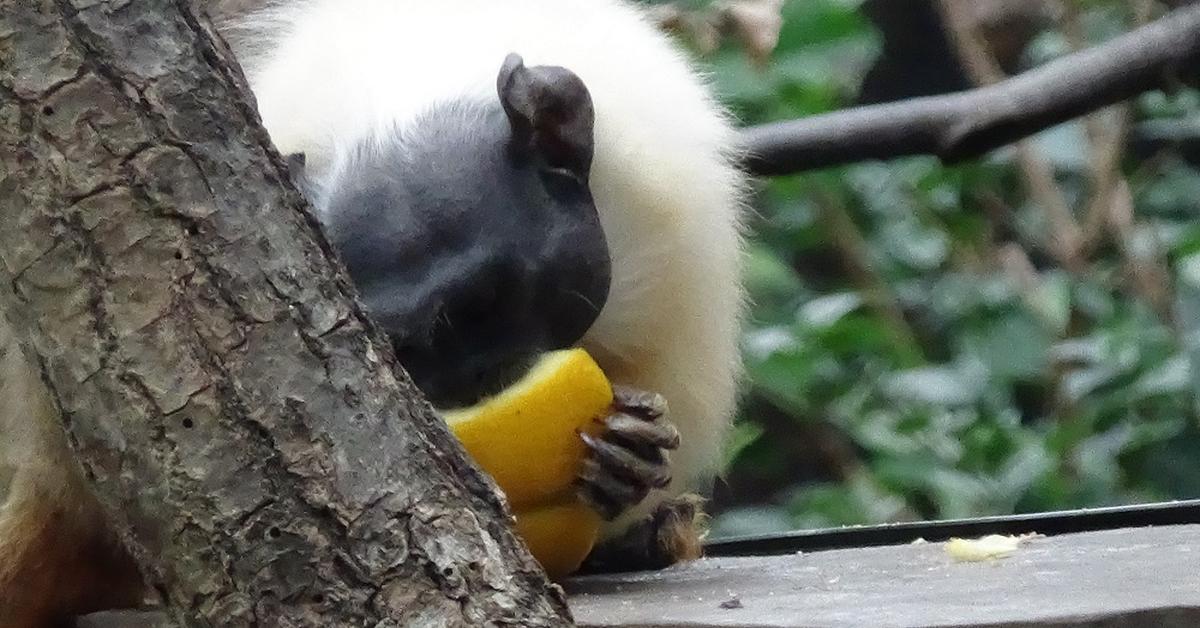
(501, 178)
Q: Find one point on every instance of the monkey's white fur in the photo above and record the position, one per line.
(329, 73)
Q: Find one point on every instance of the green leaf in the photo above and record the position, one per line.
(938, 385)
(1013, 346)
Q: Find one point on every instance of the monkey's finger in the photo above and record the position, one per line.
(607, 494)
(657, 433)
(639, 403)
(625, 464)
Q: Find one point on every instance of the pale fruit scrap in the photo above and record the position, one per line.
(990, 547)
(527, 438)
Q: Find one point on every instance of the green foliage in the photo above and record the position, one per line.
(824, 47)
(915, 347)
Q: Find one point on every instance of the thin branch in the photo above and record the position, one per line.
(1065, 237)
(1108, 147)
(849, 242)
(1110, 208)
(1106, 134)
(1148, 273)
(967, 124)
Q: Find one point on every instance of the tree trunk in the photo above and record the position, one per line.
(240, 417)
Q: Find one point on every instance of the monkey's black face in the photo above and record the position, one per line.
(472, 236)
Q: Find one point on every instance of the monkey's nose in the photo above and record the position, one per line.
(490, 321)
(476, 326)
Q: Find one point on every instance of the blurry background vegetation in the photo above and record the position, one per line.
(1018, 333)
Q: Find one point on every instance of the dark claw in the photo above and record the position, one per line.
(638, 430)
(646, 405)
(608, 495)
(629, 459)
(623, 463)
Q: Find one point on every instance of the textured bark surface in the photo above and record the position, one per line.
(234, 407)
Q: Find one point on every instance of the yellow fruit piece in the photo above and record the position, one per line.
(527, 438)
(559, 535)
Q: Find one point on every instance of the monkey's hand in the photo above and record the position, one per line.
(628, 459)
(626, 462)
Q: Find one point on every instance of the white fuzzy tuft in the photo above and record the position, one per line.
(328, 73)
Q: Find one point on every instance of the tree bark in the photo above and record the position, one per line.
(242, 420)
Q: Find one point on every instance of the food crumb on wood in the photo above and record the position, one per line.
(732, 603)
(990, 547)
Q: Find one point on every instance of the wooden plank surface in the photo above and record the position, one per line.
(1135, 578)
(1128, 578)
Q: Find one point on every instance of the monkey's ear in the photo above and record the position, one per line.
(550, 111)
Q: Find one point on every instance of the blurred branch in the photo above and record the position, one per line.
(1107, 144)
(1066, 238)
(967, 124)
(1017, 266)
(1110, 208)
(848, 240)
(1148, 271)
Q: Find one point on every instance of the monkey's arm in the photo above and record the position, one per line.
(58, 557)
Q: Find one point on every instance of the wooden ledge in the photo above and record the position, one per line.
(1127, 578)
(1134, 577)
